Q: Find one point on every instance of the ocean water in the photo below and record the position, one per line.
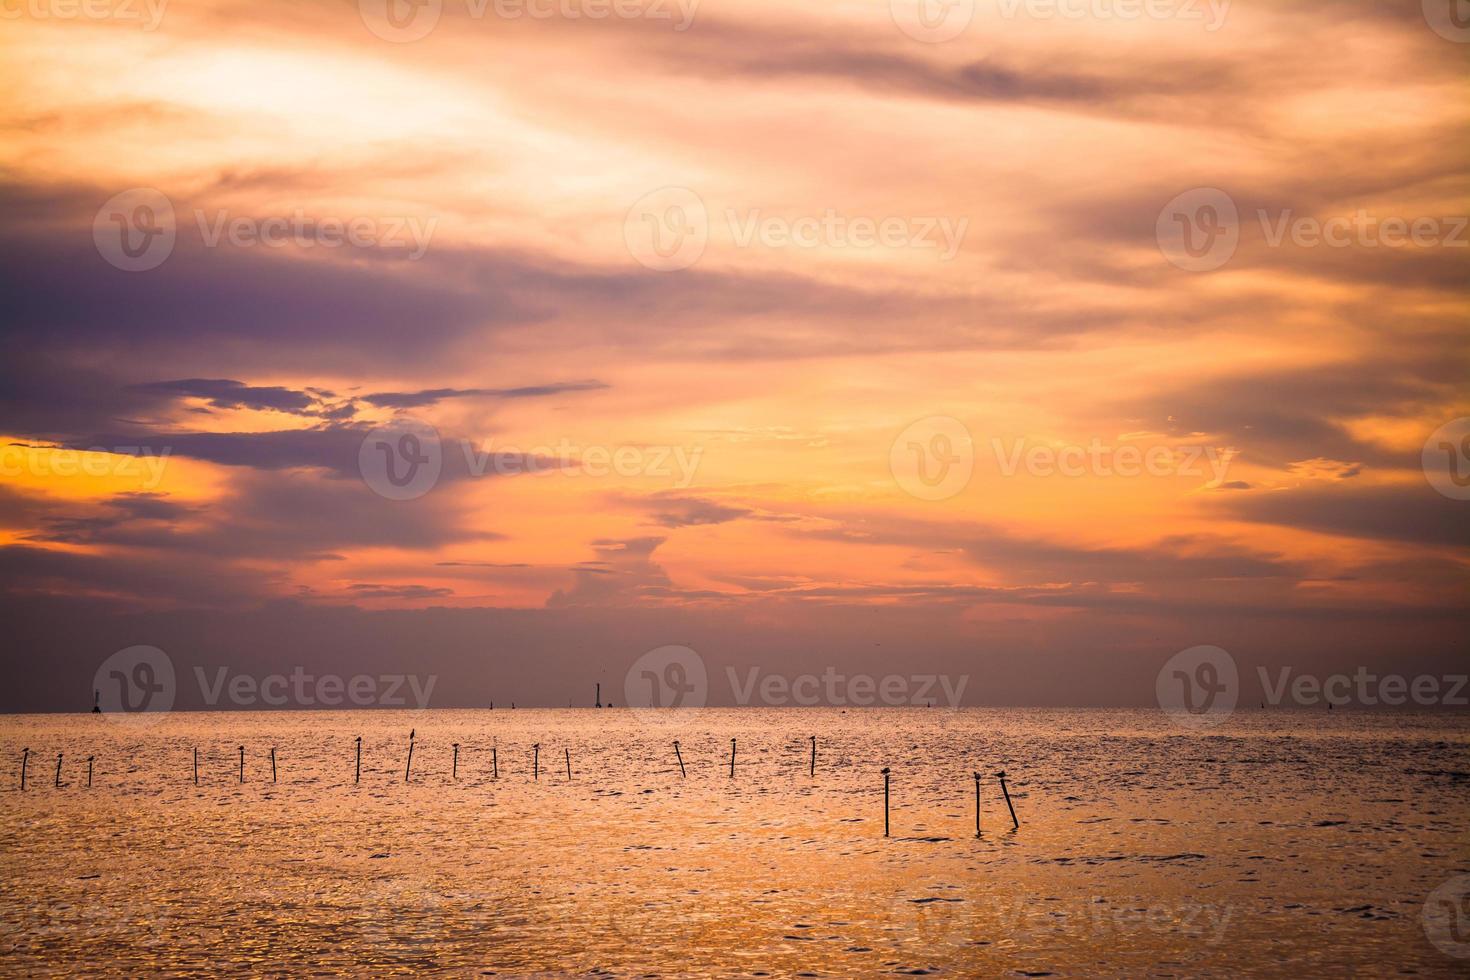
(1301, 843)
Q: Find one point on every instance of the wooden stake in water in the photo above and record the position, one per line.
(494, 762)
(885, 801)
(977, 804)
(409, 766)
(58, 771)
(569, 762)
(536, 761)
(25, 756)
(89, 770)
(357, 775)
(196, 765)
(814, 757)
(1007, 793)
(682, 773)
(273, 763)
(732, 758)
(454, 774)
(242, 763)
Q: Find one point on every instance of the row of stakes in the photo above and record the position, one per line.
(536, 772)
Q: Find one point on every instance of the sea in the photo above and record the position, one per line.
(581, 842)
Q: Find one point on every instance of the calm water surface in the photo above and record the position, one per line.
(1282, 843)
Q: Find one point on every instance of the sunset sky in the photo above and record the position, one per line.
(719, 271)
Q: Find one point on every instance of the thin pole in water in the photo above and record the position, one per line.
(357, 775)
(977, 804)
(885, 801)
(409, 766)
(814, 757)
(494, 762)
(569, 762)
(682, 773)
(25, 756)
(89, 770)
(273, 763)
(455, 773)
(58, 771)
(536, 761)
(196, 765)
(242, 763)
(1007, 793)
(732, 758)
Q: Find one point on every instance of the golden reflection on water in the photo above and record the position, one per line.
(1284, 842)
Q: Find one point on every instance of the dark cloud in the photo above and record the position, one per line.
(1413, 513)
(623, 572)
(367, 590)
(224, 393)
(431, 396)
